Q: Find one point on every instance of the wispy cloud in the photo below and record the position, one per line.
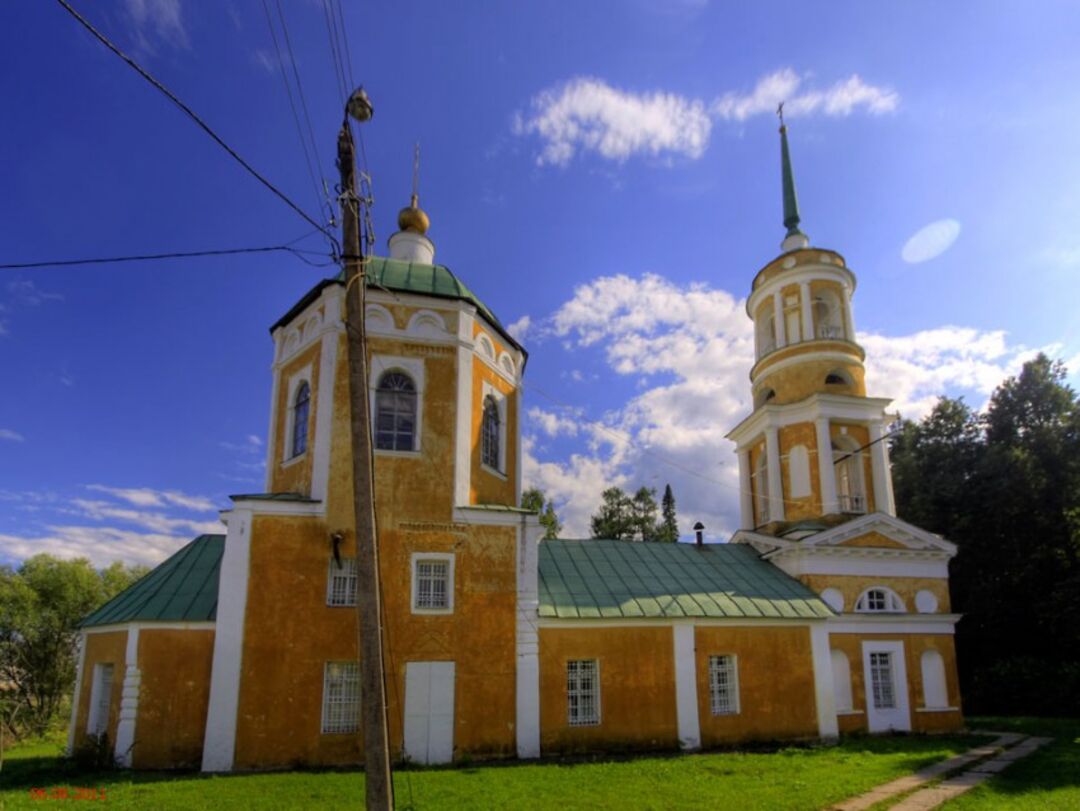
(24, 291)
(520, 328)
(157, 21)
(589, 115)
(11, 436)
(930, 241)
(148, 497)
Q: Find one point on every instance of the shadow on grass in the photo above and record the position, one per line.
(1054, 766)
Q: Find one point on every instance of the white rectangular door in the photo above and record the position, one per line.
(886, 686)
(429, 712)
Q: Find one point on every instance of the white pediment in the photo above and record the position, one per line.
(890, 527)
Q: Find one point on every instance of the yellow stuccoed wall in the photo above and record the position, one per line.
(173, 697)
(776, 683)
(102, 648)
(294, 475)
(851, 586)
(797, 382)
(489, 487)
(637, 689)
(914, 647)
(804, 433)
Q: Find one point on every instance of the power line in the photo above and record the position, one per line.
(345, 40)
(297, 252)
(335, 57)
(194, 117)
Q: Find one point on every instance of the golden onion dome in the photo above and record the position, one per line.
(413, 218)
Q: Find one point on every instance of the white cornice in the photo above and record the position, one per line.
(815, 271)
(893, 624)
(891, 527)
(830, 406)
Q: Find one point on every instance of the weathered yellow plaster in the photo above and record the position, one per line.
(294, 475)
(102, 648)
(851, 586)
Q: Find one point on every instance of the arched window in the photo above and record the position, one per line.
(838, 377)
(395, 413)
(301, 409)
(766, 333)
(764, 396)
(761, 488)
(879, 600)
(848, 464)
(827, 322)
(489, 434)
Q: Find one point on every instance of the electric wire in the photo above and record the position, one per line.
(345, 40)
(335, 58)
(292, 103)
(195, 117)
(108, 260)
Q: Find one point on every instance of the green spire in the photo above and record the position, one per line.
(791, 199)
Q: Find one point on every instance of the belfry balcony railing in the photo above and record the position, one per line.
(852, 503)
(829, 332)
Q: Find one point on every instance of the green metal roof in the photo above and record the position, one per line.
(596, 579)
(184, 588)
(408, 277)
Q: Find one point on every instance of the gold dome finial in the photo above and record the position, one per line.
(413, 218)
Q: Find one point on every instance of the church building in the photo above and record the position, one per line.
(824, 614)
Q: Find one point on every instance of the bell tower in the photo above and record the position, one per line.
(812, 452)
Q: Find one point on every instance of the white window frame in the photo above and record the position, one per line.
(488, 390)
(414, 368)
(97, 722)
(346, 573)
(340, 725)
(892, 602)
(424, 557)
(581, 720)
(728, 662)
(303, 376)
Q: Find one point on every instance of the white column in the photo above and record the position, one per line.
(324, 414)
(824, 694)
(464, 405)
(807, 311)
(778, 319)
(879, 460)
(849, 323)
(80, 665)
(273, 455)
(686, 697)
(219, 743)
(826, 473)
(129, 700)
(746, 497)
(527, 721)
(776, 488)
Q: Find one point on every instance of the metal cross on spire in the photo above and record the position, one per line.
(780, 113)
(416, 175)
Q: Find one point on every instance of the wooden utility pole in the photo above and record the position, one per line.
(380, 787)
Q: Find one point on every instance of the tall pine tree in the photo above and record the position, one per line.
(668, 530)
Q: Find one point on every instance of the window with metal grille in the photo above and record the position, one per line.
(301, 409)
(395, 413)
(583, 692)
(341, 582)
(489, 434)
(341, 697)
(723, 685)
(881, 681)
(432, 584)
(100, 700)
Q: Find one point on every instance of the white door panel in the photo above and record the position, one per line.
(429, 711)
(886, 686)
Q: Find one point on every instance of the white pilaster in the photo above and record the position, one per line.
(849, 323)
(776, 486)
(823, 681)
(80, 664)
(807, 311)
(746, 497)
(129, 700)
(686, 695)
(219, 743)
(826, 474)
(778, 319)
(272, 454)
(324, 414)
(879, 463)
(527, 723)
(463, 430)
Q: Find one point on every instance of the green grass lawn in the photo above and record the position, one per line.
(1048, 779)
(787, 778)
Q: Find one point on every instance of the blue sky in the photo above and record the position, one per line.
(604, 175)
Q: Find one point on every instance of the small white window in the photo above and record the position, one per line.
(341, 697)
(100, 700)
(881, 680)
(341, 582)
(723, 685)
(879, 600)
(432, 583)
(583, 692)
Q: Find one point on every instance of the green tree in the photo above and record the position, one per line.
(535, 500)
(643, 510)
(668, 530)
(615, 518)
(41, 603)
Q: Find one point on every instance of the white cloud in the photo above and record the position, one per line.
(841, 99)
(148, 497)
(24, 291)
(587, 114)
(693, 347)
(156, 521)
(102, 545)
(12, 436)
(930, 241)
(157, 20)
(520, 328)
